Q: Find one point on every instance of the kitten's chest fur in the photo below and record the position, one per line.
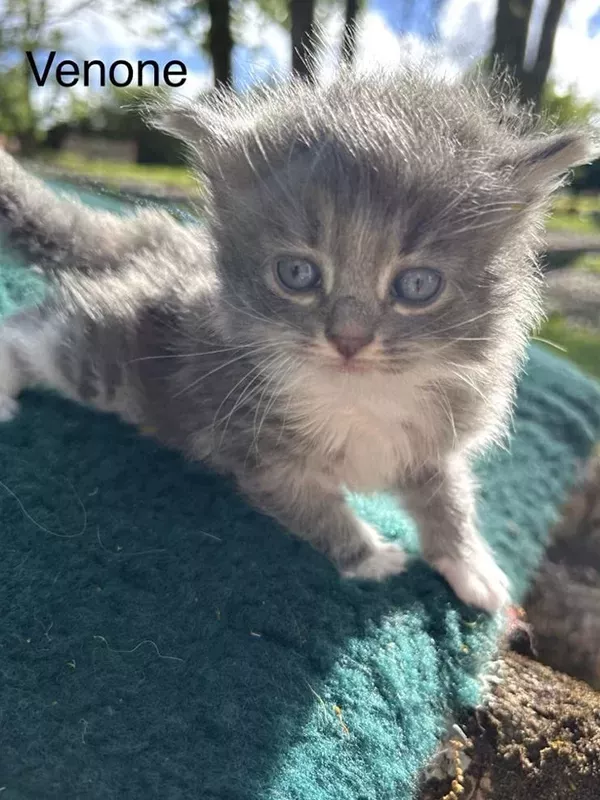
(363, 430)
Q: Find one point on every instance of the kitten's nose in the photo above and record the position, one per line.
(350, 338)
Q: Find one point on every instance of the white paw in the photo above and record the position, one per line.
(388, 559)
(477, 580)
(9, 408)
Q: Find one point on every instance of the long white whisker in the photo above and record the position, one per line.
(228, 363)
(203, 352)
(276, 393)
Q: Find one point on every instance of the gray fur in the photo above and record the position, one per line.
(182, 328)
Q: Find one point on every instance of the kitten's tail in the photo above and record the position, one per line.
(59, 234)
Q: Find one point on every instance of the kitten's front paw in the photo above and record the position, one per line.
(477, 580)
(9, 408)
(388, 559)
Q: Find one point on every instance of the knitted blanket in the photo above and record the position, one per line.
(161, 639)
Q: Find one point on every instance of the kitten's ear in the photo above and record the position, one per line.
(194, 124)
(541, 164)
(207, 129)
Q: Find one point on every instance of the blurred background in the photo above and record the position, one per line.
(81, 134)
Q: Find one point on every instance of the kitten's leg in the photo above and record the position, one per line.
(442, 501)
(312, 508)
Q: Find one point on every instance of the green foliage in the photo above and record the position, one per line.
(567, 108)
(16, 113)
(119, 114)
(573, 223)
(590, 262)
(28, 25)
(579, 344)
(117, 173)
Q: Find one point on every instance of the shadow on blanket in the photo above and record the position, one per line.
(159, 638)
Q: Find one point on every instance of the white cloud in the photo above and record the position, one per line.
(576, 59)
(267, 41)
(91, 32)
(466, 30)
(196, 82)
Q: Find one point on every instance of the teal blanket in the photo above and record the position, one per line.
(160, 639)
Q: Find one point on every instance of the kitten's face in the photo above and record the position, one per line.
(354, 268)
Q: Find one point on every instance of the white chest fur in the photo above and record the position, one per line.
(365, 429)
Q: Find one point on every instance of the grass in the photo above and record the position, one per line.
(115, 173)
(572, 222)
(583, 203)
(590, 262)
(586, 262)
(579, 344)
(563, 218)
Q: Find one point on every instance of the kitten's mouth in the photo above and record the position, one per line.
(352, 367)
(334, 362)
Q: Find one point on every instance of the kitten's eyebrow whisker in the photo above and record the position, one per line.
(284, 189)
(468, 229)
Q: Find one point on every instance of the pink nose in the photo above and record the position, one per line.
(351, 340)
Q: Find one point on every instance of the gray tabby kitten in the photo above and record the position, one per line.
(353, 315)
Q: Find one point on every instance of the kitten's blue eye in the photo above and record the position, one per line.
(298, 274)
(418, 286)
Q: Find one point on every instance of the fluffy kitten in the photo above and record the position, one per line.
(353, 314)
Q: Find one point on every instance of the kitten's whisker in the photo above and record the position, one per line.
(472, 386)
(551, 344)
(266, 387)
(247, 393)
(238, 401)
(200, 353)
(260, 317)
(447, 407)
(218, 368)
(458, 339)
(467, 321)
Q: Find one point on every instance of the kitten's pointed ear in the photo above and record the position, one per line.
(541, 164)
(208, 130)
(194, 124)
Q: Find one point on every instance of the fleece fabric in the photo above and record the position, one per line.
(161, 639)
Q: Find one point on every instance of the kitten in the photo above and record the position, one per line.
(352, 315)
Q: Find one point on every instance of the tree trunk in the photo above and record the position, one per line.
(220, 41)
(303, 45)
(535, 78)
(510, 34)
(349, 41)
(510, 40)
(538, 736)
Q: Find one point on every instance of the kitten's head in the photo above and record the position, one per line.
(377, 223)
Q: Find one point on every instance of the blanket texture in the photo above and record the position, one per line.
(160, 639)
